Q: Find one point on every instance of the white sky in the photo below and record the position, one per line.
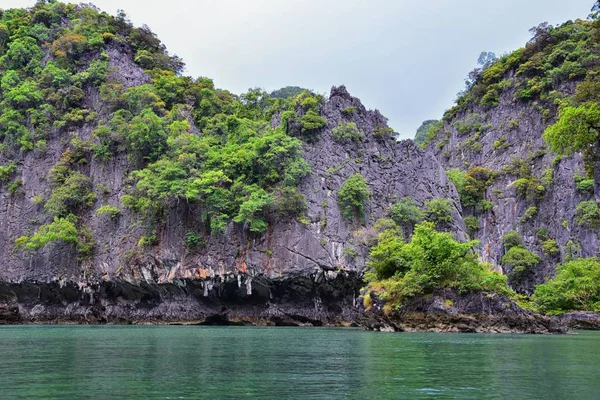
(407, 58)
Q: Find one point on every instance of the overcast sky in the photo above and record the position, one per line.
(407, 58)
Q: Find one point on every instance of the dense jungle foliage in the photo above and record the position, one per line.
(187, 139)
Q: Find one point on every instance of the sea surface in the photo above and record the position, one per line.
(189, 362)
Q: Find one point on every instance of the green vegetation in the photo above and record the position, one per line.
(576, 130)
(587, 214)
(439, 212)
(287, 92)
(472, 224)
(347, 131)
(349, 111)
(530, 214)
(550, 247)
(112, 211)
(517, 258)
(575, 287)
(406, 212)
(186, 139)
(71, 190)
(62, 229)
(193, 240)
(583, 184)
(431, 260)
(471, 185)
(512, 239)
(422, 135)
(353, 197)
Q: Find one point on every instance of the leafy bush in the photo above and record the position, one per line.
(353, 197)
(575, 287)
(289, 202)
(583, 184)
(519, 259)
(61, 229)
(112, 211)
(550, 247)
(193, 240)
(587, 214)
(71, 191)
(548, 177)
(6, 171)
(512, 239)
(431, 260)
(438, 211)
(253, 209)
(472, 223)
(346, 131)
(406, 211)
(312, 122)
(382, 132)
(349, 111)
(530, 188)
(530, 214)
(572, 250)
(388, 257)
(471, 185)
(422, 135)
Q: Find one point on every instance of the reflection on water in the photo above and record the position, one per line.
(64, 362)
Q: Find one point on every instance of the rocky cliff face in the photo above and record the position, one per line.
(513, 133)
(313, 248)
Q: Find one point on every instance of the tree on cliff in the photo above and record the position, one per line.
(423, 131)
(577, 131)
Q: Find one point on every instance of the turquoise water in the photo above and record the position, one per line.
(184, 362)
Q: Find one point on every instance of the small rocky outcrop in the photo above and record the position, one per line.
(581, 320)
(448, 311)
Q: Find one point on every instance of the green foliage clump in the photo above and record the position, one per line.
(472, 223)
(587, 214)
(550, 247)
(61, 229)
(382, 132)
(576, 130)
(113, 212)
(429, 261)
(422, 135)
(311, 122)
(71, 190)
(150, 239)
(572, 250)
(530, 214)
(353, 197)
(193, 240)
(6, 171)
(347, 131)
(530, 188)
(252, 210)
(583, 184)
(517, 257)
(575, 287)
(349, 111)
(547, 177)
(406, 211)
(501, 143)
(512, 239)
(438, 211)
(471, 185)
(350, 253)
(288, 92)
